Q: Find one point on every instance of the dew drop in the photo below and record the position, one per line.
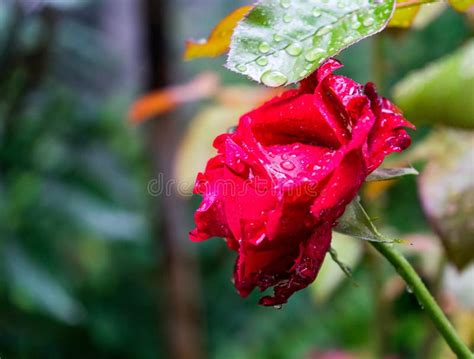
(356, 25)
(340, 5)
(273, 78)
(285, 3)
(294, 49)
(232, 129)
(303, 73)
(264, 47)
(368, 22)
(262, 61)
(287, 18)
(324, 30)
(277, 306)
(277, 38)
(241, 67)
(287, 165)
(314, 54)
(316, 12)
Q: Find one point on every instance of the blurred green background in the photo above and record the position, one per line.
(94, 266)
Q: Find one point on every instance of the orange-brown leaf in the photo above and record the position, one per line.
(155, 103)
(219, 40)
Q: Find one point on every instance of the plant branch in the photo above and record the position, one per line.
(412, 3)
(425, 299)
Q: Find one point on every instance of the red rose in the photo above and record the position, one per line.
(283, 178)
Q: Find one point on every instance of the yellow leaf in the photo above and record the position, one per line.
(155, 103)
(373, 190)
(196, 148)
(461, 5)
(219, 40)
(404, 16)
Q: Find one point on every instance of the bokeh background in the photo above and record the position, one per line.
(95, 263)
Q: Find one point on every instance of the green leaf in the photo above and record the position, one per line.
(282, 41)
(385, 174)
(442, 92)
(334, 272)
(355, 222)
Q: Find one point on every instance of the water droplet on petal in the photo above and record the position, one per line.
(294, 49)
(356, 25)
(273, 78)
(285, 3)
(287, 18)
(264, 47)
(287, 165)
(277, 38)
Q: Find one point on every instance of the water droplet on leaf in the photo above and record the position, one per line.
(273, 78)
(241, 67)
(316, 12)
(356, 25)
(314, 54)
(262, 61)
(294, 49)
(264, 47)
(324, 30)
(368, 22)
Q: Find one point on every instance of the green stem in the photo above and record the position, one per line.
(426, 300)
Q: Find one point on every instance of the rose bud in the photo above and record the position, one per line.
(280, 181)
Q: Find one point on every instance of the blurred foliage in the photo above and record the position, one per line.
(79, 272)
(72, 225)
(447, 192)
(443, 92)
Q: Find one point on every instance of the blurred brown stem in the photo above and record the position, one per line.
(181, 305)
(34, 64)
